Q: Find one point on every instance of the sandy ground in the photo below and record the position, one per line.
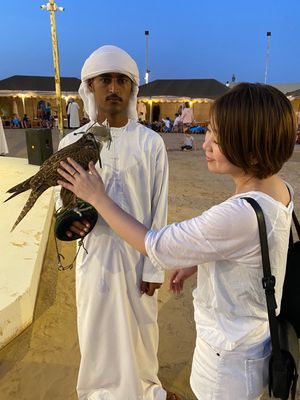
(42, 362)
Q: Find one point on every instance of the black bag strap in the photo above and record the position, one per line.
(296, 223)
(268, 280)
(297, 227)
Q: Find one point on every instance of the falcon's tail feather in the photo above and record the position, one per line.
(19, 188)
(13, 195)
(29, 204)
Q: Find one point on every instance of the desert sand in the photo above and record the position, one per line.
(42, 362)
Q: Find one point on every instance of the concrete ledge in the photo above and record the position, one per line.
(21, 251)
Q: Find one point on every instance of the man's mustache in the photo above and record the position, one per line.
(113, 97)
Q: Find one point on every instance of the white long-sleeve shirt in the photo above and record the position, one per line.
(229, 301)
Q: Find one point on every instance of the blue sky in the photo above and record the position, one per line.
(187, 39)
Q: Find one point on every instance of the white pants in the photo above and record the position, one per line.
(225, 375)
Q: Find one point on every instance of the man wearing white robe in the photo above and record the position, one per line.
(73, 113)
(115, 285)
(3, 143)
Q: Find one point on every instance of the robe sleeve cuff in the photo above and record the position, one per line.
(152, 271)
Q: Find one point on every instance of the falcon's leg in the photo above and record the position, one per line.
(68, 198)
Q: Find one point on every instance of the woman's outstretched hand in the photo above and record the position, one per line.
(178, 277)
(87, 185)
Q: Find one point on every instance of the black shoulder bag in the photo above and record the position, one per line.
(290, 302)
(283, 363)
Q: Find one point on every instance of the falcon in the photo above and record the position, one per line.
(84, 150)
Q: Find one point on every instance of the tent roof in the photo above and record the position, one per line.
(183, 88)
(38, 83)
(285, 88)
(295, 93)
(189, 88)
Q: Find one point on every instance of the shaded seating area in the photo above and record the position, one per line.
(165, 98)
(23, 95)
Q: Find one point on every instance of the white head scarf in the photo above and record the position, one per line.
(103, 60)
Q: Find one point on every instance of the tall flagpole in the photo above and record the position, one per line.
(267, 55)
(147, 66)
(52, 7)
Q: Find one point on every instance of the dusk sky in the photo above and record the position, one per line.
(187, 39)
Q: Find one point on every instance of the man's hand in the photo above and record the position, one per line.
(80, 228)
(149, 287)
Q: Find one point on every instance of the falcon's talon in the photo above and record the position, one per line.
(77, 211)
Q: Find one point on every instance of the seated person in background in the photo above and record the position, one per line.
(141, 118)
(15, 122)
(26, 121)
(167, 124)
(188, 142)
(298, 135)
(84, 120)
(155, 126)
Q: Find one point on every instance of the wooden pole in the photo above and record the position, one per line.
(53, 9)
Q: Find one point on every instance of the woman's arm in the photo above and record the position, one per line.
(88, 186)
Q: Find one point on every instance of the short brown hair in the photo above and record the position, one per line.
(255, 126)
